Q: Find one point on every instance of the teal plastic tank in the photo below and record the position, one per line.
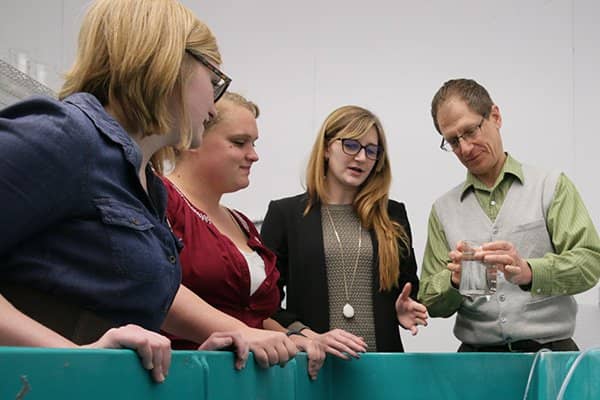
(585, 380)
(27, 373)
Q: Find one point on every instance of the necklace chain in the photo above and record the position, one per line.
(337, 237)
(200, 214)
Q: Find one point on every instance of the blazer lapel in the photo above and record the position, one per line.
(313, 255)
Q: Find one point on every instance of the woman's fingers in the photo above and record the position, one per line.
(315, 352)
(157, 362)
(153, 349)
(357, 343)
(261, 357)
(342, 348)
(216, 341)
(343, 342)
(270, 347)
(334, 352)
(316, 359)
(220, 340)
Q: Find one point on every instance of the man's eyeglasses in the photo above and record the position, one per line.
(352, 147)
(452, 144)
(222, 81)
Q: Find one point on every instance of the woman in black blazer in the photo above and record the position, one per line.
(344, 249)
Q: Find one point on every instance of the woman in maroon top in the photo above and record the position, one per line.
(214, 263)
(223, 259)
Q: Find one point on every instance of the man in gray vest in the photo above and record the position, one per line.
(534, 226)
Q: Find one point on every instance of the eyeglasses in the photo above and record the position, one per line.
(220, 84)
(452, 144)
(352, 147)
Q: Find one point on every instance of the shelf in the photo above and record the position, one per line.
(15, 85)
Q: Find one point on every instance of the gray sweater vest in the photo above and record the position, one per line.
(511, 314)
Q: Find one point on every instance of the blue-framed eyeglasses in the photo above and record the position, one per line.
(352, 147)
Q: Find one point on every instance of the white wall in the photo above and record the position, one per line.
(300, 60)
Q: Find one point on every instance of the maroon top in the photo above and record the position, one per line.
(215, 269)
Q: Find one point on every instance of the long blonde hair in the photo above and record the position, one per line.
(371, 201)
(131, 56)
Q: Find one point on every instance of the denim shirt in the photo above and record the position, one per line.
(75, 221)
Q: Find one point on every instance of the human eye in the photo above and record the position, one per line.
(372, 151)
(470, 133)
(453, 142)
(351, 144)
(215, 78)
(242, 141)
(239, 142)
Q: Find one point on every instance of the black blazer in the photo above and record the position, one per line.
(298, 242)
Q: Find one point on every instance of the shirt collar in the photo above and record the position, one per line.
(107, 125)
(511, 167)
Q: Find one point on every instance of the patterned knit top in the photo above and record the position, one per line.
(340, 262)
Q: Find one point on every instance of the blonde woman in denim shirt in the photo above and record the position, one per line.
(83, 229)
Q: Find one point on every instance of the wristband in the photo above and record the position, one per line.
(291, 332)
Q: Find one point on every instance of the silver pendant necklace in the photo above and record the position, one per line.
(347, 310)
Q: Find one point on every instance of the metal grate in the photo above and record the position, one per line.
(15, 85)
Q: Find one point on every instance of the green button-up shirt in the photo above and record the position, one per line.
(572, 269)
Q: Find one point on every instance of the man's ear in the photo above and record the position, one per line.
(496, 116)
